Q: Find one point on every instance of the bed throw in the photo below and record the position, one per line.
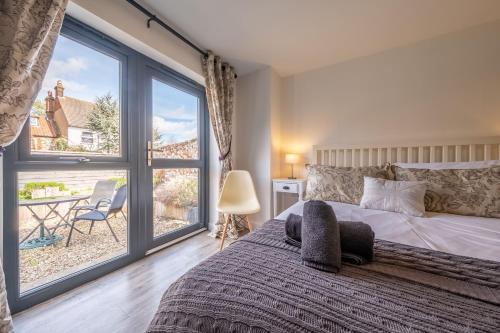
(258, 284)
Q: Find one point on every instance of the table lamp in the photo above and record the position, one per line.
(291, 159)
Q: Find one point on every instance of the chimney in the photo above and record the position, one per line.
(50, 109)
(59, 89)
(50, 105)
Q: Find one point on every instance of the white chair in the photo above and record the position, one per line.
(237, 198)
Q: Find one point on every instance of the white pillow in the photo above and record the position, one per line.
(449, 165)
(405, 197)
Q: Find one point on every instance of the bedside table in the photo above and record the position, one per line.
(285, 185)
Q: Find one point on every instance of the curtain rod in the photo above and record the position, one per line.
(152, 17)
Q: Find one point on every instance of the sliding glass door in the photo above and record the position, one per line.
(111, 163)
(176, 170)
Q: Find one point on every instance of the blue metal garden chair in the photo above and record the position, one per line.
(95, 214)
(101, 196)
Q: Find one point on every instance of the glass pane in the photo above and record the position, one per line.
(175, 123)
(77, 111)
(46, 209)
(175, 199)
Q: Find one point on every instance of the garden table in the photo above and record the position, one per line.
(52, 204)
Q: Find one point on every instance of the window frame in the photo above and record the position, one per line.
(156, 71)
(91, 38)
(18, 158)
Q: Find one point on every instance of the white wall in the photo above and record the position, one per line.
(126, 24)
(256, 124)
(442, 88)
(446, 87)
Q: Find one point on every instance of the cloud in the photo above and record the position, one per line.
(179, 114)
(64, 70)
(71, 65)
(175, 131)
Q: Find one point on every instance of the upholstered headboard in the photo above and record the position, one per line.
(480, 149)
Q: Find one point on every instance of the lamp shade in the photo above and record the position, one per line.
(291, 158)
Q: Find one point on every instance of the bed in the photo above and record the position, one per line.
(438, 273)
(469, 236)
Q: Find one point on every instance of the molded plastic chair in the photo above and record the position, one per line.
(237, 198)
(98, 215)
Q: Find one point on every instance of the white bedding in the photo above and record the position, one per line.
(477, 237)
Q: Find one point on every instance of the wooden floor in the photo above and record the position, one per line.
(123, 301)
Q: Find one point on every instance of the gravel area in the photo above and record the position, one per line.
(164, 225)
(46, 264)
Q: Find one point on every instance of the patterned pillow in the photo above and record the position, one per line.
(473, 192)
(341, 184)
(401, 197)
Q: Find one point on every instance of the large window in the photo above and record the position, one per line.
(111, 164)
(175, 122)
(49, 203)
(79, 103)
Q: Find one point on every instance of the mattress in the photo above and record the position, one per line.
(469, 236)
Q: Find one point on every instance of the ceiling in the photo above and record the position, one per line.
(294, 36)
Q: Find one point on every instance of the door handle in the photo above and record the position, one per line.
(149, 155)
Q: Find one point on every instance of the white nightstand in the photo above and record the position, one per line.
(285, 185)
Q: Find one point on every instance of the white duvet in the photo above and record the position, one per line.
(470, 236)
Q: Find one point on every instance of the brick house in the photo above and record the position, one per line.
(65, 117)
(43, 133)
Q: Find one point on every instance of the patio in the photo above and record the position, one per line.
(45, 264)
(38, 191)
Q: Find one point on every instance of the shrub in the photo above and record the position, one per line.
(181, 191)
(78, 149)
(187, 192)
(61, 144)
(26, 192)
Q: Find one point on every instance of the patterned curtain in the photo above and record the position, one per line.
(28, 34)
(220, 82)
(5, 318)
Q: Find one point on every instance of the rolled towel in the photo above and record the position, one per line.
(320, 237)
(352, 258)
(357, 238)
(293, 226)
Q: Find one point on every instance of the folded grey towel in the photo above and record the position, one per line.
(320, 237)
(293, 230)
(352, 258)
(356, 238)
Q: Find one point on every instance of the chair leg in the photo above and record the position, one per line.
(70, 232)
(249, 225)
(121, 211)
(111, 229)
(226, 222)
(91, 226)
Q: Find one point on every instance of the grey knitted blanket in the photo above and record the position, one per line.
(257, 284)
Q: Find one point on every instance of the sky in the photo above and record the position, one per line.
(87, 74)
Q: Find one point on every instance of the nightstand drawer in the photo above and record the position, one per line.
(287, 187)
